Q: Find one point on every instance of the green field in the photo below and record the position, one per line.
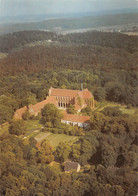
(101, 105)
(32, 124)
(55, 139)
(34, 130)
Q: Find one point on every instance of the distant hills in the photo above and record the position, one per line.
(83, 22)
(42, 17)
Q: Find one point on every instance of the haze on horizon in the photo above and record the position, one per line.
(36, 7)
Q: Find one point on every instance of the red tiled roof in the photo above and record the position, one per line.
(63, 92)
(85, 94)
(18, 114)
(75, 118)
(71, 93)
(38, 106)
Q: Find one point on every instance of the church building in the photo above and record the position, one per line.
(62, 98)
(65, 97)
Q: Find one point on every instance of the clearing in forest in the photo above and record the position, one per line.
(55, 139)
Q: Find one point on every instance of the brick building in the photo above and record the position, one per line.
(65, 97)
(62, 98)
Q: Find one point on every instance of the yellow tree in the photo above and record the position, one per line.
(45, 152)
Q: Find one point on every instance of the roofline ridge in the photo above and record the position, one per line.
(65, 89)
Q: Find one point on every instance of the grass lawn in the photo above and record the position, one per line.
(33, 124)
(33, 127)
(33, 130)
(102, 105)
(55, 139)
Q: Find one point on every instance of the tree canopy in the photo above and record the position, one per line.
(51, 116)
(17, 127)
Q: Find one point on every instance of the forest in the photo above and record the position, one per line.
(15, 40)
(106, 63)
(107, 152)
(9, 42)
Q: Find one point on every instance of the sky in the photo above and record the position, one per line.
(34, 7)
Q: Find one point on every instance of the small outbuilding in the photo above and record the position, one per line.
(71, 166)
(74, 119)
